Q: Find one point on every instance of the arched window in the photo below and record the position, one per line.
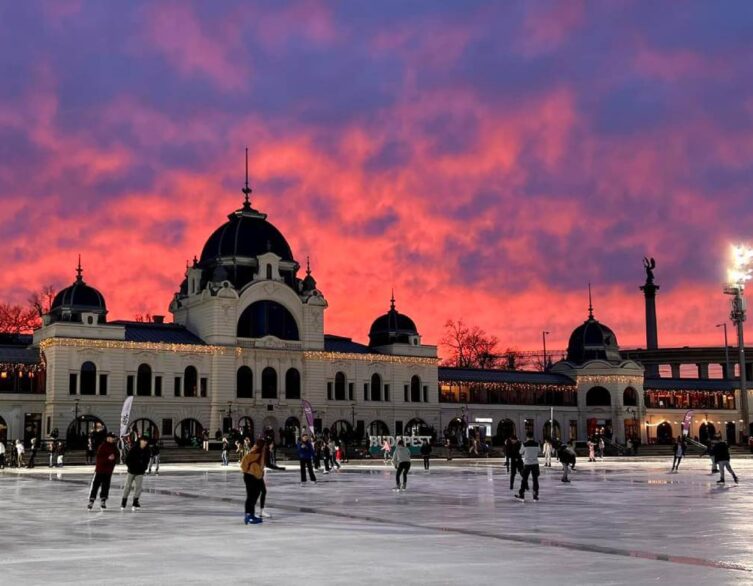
(267, 318)
(378, 427)
(548, 430)
(269, 383)
(188, 433)
(246, 426)
(505, 429)
(88, 379)
(415, 389)
(598, 397)
(144, 380)
(376, 387)
(244, 383)
(144, 428)
(269, 271)
(292, 384)
(190, 381)
(630, 397)
(416, 426)
(340, 386)
(79, 430)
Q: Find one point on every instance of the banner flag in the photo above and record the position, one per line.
(686, 422)
(308, 411)
(125, 416)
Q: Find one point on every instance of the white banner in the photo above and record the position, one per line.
(125, 416)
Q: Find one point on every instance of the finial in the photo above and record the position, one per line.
(246, 189)
(590, 304)
(79, 270)
(392, 300)
(308, 266)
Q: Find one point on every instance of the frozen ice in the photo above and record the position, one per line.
(620, 521)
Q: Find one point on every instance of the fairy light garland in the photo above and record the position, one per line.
(338, 356)
(610, 378)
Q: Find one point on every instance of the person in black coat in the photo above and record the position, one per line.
(426, 453)
(512, 454)
(137, 462)
(721, 457)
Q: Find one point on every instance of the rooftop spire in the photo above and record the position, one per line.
(590, 304)
(79, 270)
(246, 189)
(392, 300)
(308, 266)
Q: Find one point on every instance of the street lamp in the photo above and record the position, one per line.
(543, 339)
(738, 273)
(726, 349)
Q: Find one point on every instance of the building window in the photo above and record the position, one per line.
(329, 391)
(102, 384)
(292, 384)
(144, 381)
(244, 383)
(176, 386)
(129, 385)
(365, 391)
(269, 271)
(72, 383)
(269, 383)
(573, 430)
(386, 392)
(406, 391)
(167, 426)
(204, 384)
(426, 394)
(350, 391)
(376, 387)
(528, 426)
(190, 381)
(415, 389)
(157, 386)
(88, 378)
(340, 386)
(398, 428)
(267, 318)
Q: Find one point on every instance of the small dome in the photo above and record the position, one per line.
(392, 328)
(76, 299)
(592, 341)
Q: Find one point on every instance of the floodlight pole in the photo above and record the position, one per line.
(737, 315)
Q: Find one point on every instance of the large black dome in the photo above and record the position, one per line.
(246, 234)
(79, 297)
(391, 328)
(592, 341)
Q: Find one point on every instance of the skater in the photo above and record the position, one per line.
(387, 449)
(89, 449)
(629, 447)
(137, 462)
(154, 459)
(448, 445)
(601, 448)
(548, 451)
(333, 455)
(721, 456)
(326, 456)
(508, 451)
(252, 467)
(516, 463)
(59, 454)
(529, 452)
(401, 461)
(224, 452)
(105, 460)
(2, 455)
(51, 450)
(425, 453)
(567, 458)
(306, 455)
(20, 450)
(591, 450)
(33, 456)
(679, 451)
(709, 451)
(270, 459)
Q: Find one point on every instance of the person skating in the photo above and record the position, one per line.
(508, 451)
(591, 450)
(516, 463)
(305, 456)
(721, 456)
(401, 461)
(271, 455)
(548, 451)
(90, 449)
(105, 460)
(567, 458)
(33, 456)
(529, 452)
(137, 462)
(426, 453)
(679, 451)
(333, 455)
(224, 451)
(20, 450)
(2, 456)
(709, 451)
(252, 467)
(59, 454)
(154, 458)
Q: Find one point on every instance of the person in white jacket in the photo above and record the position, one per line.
(548, 450)
(401, 461)
(529, 451)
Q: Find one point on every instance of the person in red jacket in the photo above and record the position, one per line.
(107, 457)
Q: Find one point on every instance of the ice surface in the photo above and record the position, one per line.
(618, 522)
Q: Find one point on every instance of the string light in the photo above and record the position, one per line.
(338, 356)
(610, 378)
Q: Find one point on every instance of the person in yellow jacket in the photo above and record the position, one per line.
(252, 466)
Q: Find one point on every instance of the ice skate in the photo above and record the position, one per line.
(136, 504)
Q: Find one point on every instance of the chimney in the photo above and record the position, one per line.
(158, 319)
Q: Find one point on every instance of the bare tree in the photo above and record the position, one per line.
(41, 300)
(471, 347)
(16, 319)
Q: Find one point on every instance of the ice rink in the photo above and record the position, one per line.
(618, 522)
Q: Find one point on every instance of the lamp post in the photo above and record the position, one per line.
(738, 273)
(726, 349)
(543, 339)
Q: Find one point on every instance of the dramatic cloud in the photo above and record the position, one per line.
(486, 160)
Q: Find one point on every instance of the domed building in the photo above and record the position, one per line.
(245, 348)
